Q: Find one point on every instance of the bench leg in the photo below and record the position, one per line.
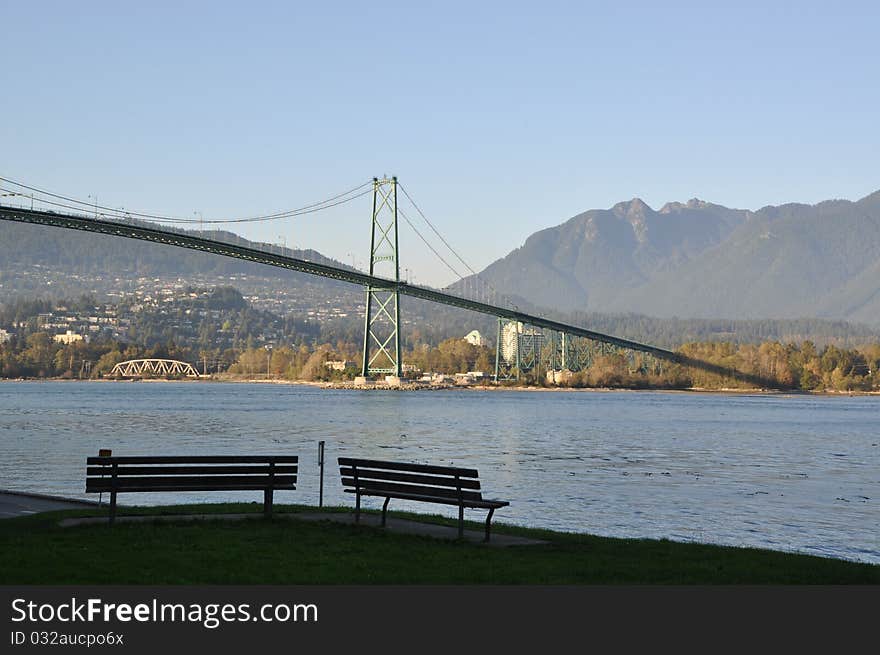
(384, 510)
(112, 507)
(461, 521)
(357, 508)
(488, 523)
(267, 502)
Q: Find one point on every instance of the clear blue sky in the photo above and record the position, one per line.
(500, 118)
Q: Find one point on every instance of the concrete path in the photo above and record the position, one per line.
(151, 518)
(402, 526)
(406, 526)
(19, 503)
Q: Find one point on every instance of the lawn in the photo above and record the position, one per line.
(282, 550)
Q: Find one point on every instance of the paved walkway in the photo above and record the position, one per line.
(17, 503)
(402, 526)
(406, 526)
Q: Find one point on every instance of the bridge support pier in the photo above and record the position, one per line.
(506, 351)
(518, 349)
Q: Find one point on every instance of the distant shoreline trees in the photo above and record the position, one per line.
(796, 366)
(219, 332)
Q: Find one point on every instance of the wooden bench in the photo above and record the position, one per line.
(116, 475)
(430, 484)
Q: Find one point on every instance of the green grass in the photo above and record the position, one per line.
(35, 550)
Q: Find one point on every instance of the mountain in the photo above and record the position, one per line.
(701, 260)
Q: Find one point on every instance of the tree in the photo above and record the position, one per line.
(39, 356)
(107, 361)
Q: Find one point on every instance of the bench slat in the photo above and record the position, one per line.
(158, 482)
(196, 487)
(440, 481)
(479, 504)
(427, 492)
(191, 470)
(195, 459)
(405, 466)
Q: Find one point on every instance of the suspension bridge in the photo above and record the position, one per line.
(524, 341)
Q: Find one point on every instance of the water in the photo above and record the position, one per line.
(793, 473)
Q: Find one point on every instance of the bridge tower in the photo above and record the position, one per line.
(382, 316)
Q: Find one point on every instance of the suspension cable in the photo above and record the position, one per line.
(488, 284)
(431, 225)
(427, 243)
(333, 201)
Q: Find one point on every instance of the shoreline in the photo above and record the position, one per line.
(381, 386)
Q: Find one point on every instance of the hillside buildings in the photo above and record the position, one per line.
(69, 337)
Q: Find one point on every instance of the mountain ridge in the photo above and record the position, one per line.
(698, 259)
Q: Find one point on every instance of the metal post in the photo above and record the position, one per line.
(103, 452)
(113, 484)
(320, 474)
(269, 492)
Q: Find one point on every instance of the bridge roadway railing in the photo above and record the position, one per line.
(186, 239)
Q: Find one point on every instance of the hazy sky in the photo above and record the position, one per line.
(500, 118)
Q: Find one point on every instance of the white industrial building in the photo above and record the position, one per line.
(476, 339)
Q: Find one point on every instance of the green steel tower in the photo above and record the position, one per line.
(382, 315)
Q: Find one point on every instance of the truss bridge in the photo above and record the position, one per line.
(154, 368)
